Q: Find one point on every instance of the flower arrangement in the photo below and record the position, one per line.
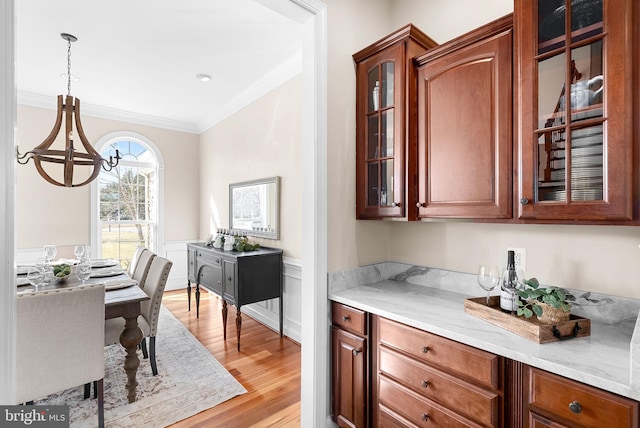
(535, 299)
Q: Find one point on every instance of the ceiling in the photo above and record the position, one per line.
(138, 60)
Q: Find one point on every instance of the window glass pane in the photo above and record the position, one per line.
(586, 18)
(372, 137)
(588, 90)
(387, 84)
(387, 133)
(551, 93)
(587, 168)
(551, 31)
(386, 192)
(373, 90)
(551, 166)
(372, 184)
(127, 201)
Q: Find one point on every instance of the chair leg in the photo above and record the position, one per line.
(87, 390)
(143, 347)
(152, 353)
(95, 389)
(100, 393)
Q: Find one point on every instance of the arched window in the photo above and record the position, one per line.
(127, 198)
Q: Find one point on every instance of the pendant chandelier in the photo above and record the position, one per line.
(89, 160)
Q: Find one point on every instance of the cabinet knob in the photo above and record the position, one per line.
(395, 204)
(355, 352)
(346, 318)
(425, 417)
(229, 279)
(575, 407)
(524, 201)
(425, 349)
(420, 204)
(425, 383)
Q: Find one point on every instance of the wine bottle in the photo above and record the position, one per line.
(508, 300)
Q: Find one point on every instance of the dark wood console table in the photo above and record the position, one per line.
(240, 278)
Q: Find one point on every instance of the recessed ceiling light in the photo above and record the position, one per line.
(203, 77)
(71, 76)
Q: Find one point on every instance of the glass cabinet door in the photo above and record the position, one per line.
(569, 167)
(380, 135)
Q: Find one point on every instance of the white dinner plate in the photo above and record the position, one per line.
(23, 269)
(105, 272)
(22, 281)
(101, 263)
(116, 284)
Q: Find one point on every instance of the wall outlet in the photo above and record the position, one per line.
(520, 257)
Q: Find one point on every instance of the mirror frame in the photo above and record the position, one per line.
(273, 234)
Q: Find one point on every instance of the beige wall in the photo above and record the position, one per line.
(596, 258)
(49, 214)
(262, 140)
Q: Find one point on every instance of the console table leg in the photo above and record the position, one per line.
(189, 293)
(238, 324)
(224, 318)
(197, 300)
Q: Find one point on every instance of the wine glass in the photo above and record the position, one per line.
(512, 280)
(50, 252)
(83, 270)
(488, 278)
(78, 250)
(36, 275)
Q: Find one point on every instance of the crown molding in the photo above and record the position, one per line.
(280, 75)
(285, 72)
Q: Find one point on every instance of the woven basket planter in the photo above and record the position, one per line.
(551, 315)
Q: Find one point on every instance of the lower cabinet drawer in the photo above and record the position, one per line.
(578, 403)
(480, 366)
(349, 318)
(394, 398)
(475, 403)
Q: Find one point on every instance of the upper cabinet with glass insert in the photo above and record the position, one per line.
(575, 112)
(385, 123)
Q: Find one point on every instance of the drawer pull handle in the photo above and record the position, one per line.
(425, 417)
(355, 352)
(425, 349)
(575, 407)
(425, 383)
(346, 318)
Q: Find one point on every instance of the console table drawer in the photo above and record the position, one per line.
(416, 409)
(349, 318)
(210, 258)
(579, 403)
(457, 395)
(469, 362)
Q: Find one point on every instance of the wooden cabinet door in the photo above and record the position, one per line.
(575, 110)
(349, 379)
(385, 123)
(464, 126)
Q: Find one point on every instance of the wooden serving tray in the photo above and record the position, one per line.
(529, 328)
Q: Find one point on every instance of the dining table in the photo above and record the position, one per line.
(122, 299)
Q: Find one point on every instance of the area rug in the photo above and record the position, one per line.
(189, 381)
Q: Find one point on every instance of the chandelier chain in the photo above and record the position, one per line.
(69, 67)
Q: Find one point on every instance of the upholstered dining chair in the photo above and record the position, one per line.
(134, 260)
(148, 321)
(60, 342)
(142, 267)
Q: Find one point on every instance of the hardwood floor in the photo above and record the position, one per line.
(266, 365)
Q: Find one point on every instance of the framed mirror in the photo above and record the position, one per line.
(254, 207)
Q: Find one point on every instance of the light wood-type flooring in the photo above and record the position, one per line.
(266, 365)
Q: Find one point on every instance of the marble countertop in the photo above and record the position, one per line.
(603, 359)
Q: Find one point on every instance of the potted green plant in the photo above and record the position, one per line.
(550, 304)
